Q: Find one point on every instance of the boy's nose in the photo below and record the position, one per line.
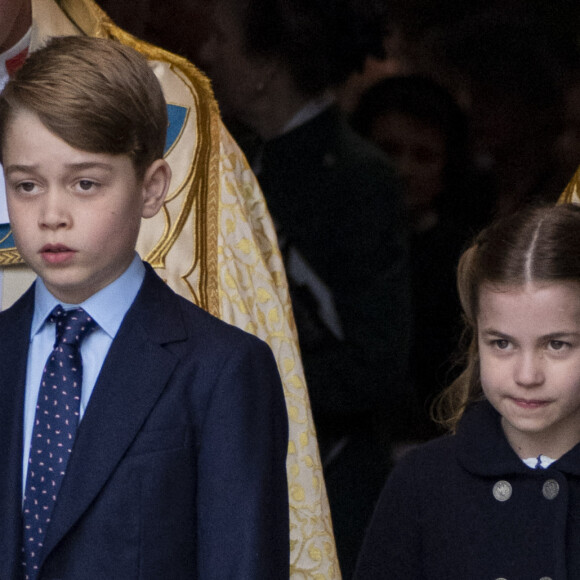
(54, 213)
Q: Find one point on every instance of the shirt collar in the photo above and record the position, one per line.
(540, 462)
(309, 111)
(312, 109)
(107, 307)
(12, 59)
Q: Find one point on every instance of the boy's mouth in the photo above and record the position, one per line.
(56, 253)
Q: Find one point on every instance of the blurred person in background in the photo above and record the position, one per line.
(568, 143)
(422, 129)
(508, 68)
(340, 220)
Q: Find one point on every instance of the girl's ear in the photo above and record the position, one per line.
(155, 186)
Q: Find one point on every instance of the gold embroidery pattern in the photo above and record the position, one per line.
(254, 296)
(10, 257)
(572, 192)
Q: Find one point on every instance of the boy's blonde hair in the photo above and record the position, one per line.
(95, 94)
(537, 244)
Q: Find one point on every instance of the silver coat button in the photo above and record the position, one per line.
(502, 490)
(550, 489)
(545, 578)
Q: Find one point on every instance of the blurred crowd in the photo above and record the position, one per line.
(384, 135)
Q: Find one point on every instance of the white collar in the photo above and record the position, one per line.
(542, 461)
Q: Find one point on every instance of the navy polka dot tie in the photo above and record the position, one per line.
(53, 434)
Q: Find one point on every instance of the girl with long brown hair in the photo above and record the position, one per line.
(499, 496)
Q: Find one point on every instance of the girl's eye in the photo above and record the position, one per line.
(501, 343)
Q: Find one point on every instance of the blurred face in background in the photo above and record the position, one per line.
(238, 78)
(568, 145)
(15, 20)
(418, 152)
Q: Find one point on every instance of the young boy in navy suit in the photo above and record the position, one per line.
(150, 441)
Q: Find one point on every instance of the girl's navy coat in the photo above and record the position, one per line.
(466, 507)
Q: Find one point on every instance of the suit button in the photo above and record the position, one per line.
(502, 490)
(550, 490)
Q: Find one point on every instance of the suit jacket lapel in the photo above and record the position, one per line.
(14, 343)
(132, 379)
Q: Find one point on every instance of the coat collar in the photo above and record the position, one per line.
(483, 449)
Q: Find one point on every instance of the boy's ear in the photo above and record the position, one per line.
(155, 186)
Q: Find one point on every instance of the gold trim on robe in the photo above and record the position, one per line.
(572, 192)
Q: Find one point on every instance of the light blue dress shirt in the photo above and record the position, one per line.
(108, 308)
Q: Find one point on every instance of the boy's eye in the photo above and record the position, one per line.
(86, 184)
(26, 187)
(557, 344)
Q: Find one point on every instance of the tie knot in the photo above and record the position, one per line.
(72, 326)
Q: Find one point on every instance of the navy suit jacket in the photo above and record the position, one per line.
(178, 469)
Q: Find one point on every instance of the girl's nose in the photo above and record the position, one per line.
(528, 370)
